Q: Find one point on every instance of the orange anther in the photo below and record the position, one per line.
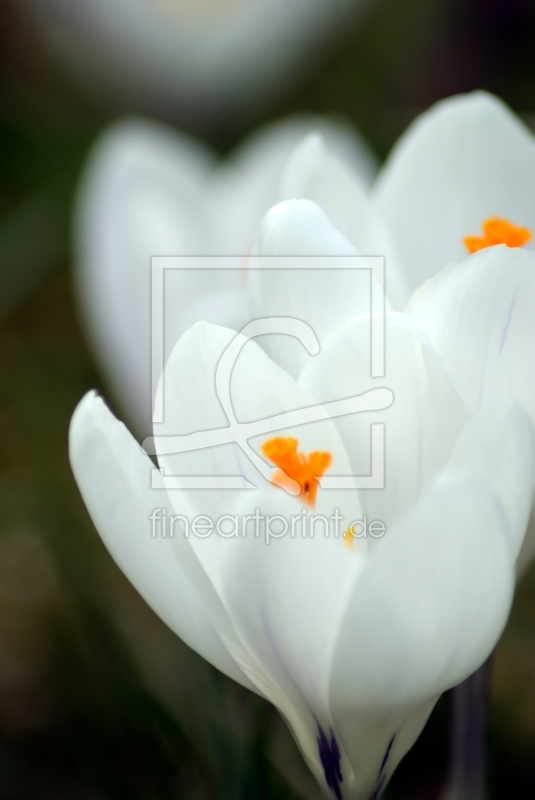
(295, 466)
(498, 231)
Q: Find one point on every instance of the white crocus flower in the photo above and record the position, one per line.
(148, 191)
(353, 639)
(199, 58)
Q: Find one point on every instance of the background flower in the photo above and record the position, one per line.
(146, 191)
(192, 57)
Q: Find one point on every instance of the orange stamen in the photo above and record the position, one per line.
(498, 231)
(295, 466)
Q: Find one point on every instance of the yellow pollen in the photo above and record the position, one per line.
(497, 230)
(348, 537)
(295, 466)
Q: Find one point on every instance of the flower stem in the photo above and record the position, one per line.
(466, 779)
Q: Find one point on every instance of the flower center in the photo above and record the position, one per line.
(295, 466)
(497, 230)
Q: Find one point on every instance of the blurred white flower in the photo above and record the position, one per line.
(196, 57)
(149, 191)
(353, 639)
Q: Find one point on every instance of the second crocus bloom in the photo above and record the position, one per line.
(148, 191)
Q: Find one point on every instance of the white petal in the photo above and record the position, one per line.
(287, 597)
(191, 404)
(245, 186)
(465, 160)
(325, 290)
(426, 612)
(314, 173)
(300, 228)
(479, 315)
(142, 195)
(498, 445)
(114, 477)
(420, 427)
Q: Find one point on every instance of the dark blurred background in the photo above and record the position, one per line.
(97, 698)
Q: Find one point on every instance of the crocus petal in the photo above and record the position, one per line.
(479, 315)
(420, 427)
(296, 583)
(259, 390)
(247, 184)
(300, 228)
(114, 477)
(425, 613)
(314, 172)
(498, 445)
(142, 196)
(467, 159)
(323, 292)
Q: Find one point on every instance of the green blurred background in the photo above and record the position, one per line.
(97, 698)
